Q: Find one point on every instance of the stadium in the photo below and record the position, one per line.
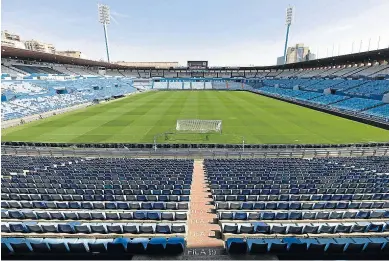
(103, 160)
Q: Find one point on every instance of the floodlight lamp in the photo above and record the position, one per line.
(289, 15)
(104, 14)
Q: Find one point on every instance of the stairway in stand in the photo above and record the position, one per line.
(201, 230)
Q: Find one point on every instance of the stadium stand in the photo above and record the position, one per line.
(286, 207)
(23, 107)
(380, 111)
(35, 69)
(131, 73)
(17, 88)
(329, 99)
(246, 200)
(10, 71)
(296, 205)
(28, 98)
(374, 70)
(137, 206)
(369, 89)
(356, 104)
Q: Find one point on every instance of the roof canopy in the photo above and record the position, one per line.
(364, 57)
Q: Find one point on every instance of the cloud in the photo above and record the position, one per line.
(347, 33)
(340, 28)
(114, 20)
(254, 48)
(117, 14)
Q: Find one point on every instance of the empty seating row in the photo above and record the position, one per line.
(356, 104)
(113, 246)
(304, 228)
(78, 215)
(380, 111)
(297, 178)
(303, 206)
(305, 197)
(88, 228)
(49, 185)
(287, 182)
(107, 197)
(328, 99)
(318, 167)
(370, 88)
(306, 215)
(117, 177)
(93, 205)
(311, 189)
(80, 181)
(105, 170)
(376, 189)
(368, 245)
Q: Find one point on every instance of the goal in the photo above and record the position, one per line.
(199, 126)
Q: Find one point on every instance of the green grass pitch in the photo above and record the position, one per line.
(138, 118)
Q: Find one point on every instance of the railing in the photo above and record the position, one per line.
(196, 153)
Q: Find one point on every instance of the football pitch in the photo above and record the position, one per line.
(254, 118)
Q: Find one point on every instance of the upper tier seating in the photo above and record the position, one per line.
(12, 71)
(79, 70)
(131, 73)
(113, 73)
(373, 70)
(384, 72)
(36, 69)
(344, 72)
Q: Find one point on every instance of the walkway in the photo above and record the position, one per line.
(201, 230)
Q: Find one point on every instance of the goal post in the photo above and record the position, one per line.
(191, 131)
(199, 126)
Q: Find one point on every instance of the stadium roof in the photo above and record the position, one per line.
(364, 57)
(376, 55)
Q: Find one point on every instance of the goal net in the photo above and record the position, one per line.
(199, 126)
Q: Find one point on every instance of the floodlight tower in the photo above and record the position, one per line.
(289, 18)
(105, 18)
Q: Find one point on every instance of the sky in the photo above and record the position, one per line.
(223, 32)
